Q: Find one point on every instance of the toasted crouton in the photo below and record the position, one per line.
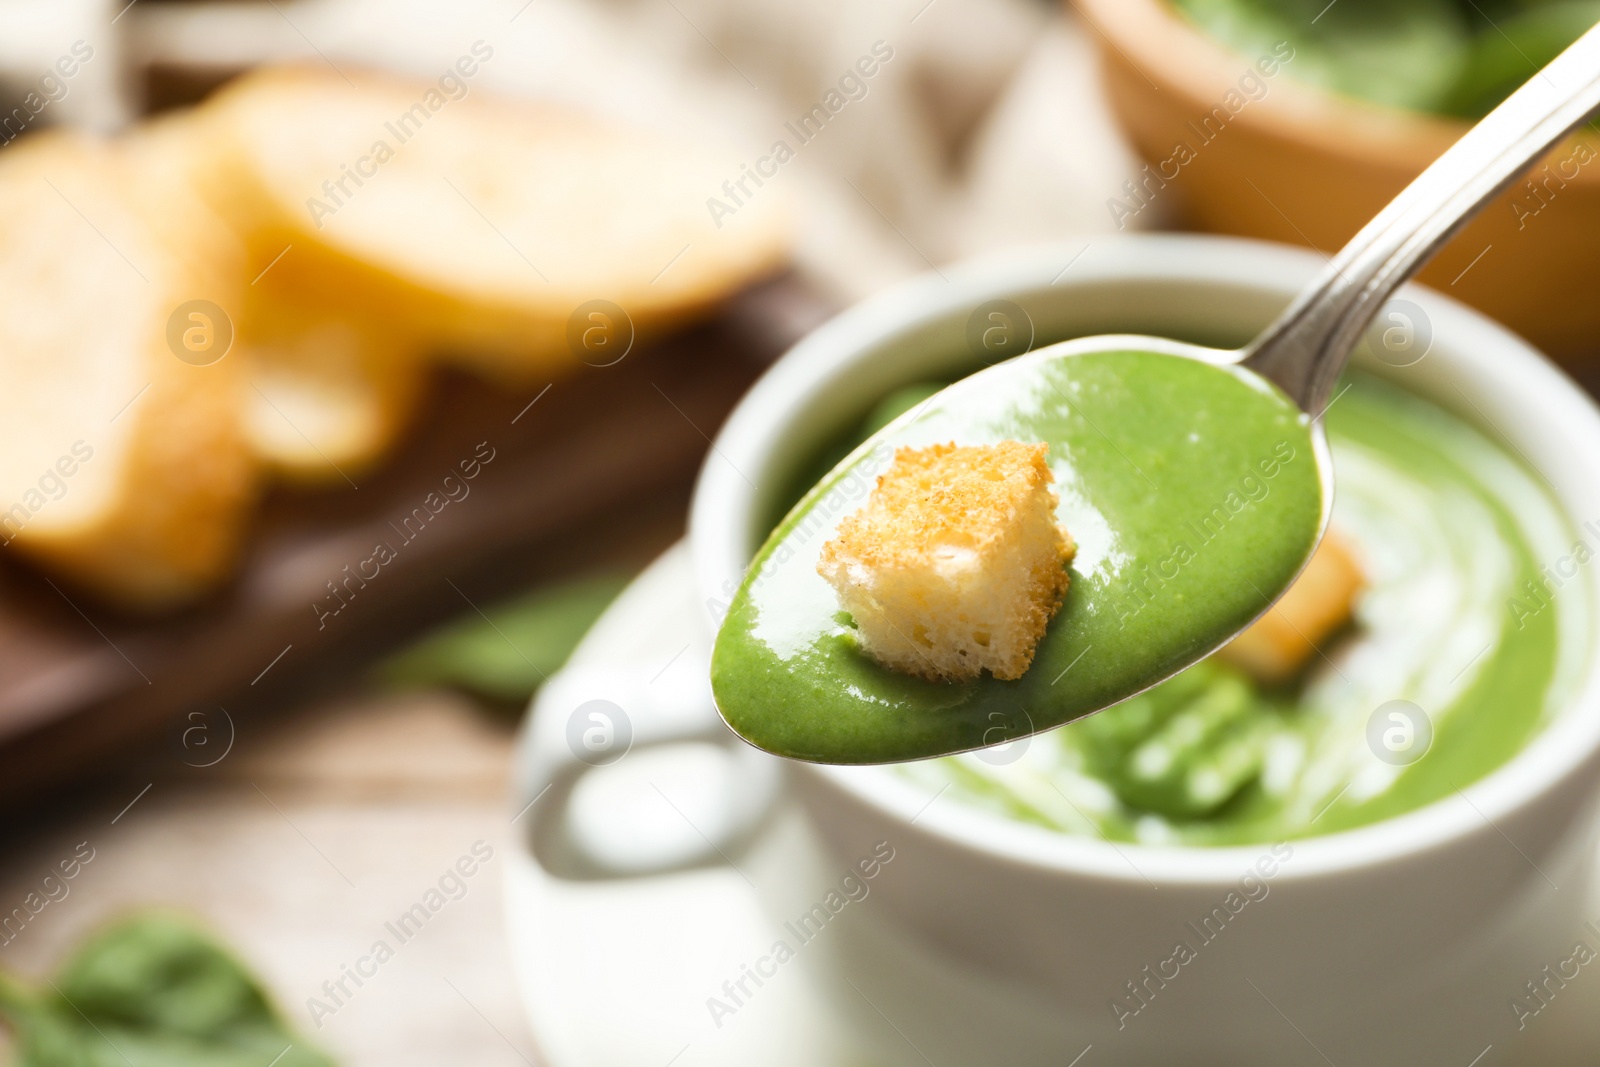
(1320, 601)
(956, 564)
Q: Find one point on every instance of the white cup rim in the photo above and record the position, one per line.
(723, 513)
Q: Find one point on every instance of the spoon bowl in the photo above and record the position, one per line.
(1194, 489)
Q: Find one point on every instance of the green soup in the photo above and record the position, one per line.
(1457, 620)
(1191, 490)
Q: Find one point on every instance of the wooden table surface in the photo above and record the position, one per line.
(297, 848)
(332, 813)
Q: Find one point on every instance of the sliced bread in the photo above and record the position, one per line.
(122, 466)
(482, 224)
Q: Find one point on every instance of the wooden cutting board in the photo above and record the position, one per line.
(561, 474)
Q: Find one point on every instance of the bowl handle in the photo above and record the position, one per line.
(590, 717)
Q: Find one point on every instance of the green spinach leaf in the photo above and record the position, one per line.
(1403, 53)
(151, 991)
(1452, 57)
(1512, 50)
(504, 653)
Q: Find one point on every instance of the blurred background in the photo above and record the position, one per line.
(295, 758)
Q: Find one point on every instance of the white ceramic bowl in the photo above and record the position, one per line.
(994, 942)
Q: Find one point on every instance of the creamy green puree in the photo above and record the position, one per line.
(1450, 532)
(1192, 492)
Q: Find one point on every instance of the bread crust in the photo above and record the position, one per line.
(156, 514)
(956, 563)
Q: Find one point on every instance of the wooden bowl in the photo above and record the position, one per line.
(1235, 149)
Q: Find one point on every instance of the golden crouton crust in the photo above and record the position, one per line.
(1319, 602)
(930, 493)
(985, 499)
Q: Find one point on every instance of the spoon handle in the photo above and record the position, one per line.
(1305, 350)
